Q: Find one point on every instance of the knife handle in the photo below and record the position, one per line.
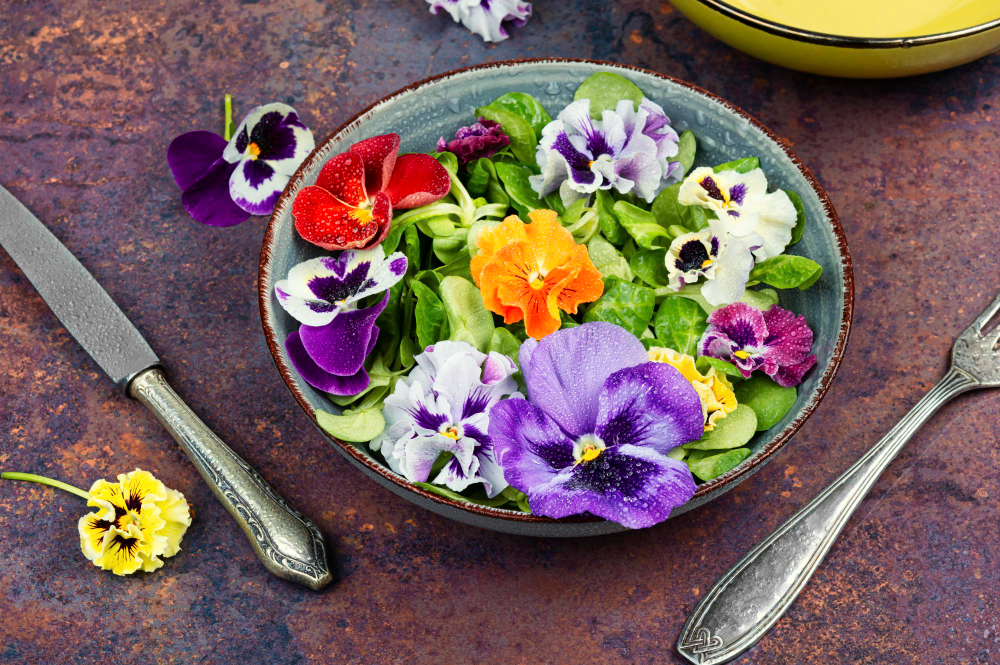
(288, 544)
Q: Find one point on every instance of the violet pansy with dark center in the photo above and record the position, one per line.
(437, 418)
(594, 433)
(330, 347)
(776, 341)
(224, 182)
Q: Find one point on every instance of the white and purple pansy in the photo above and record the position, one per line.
(744, 206)
(485, 18)
(330, 347)
(441, 412)
(317, 290)
(615, 152)
(723, 260)
(267, 148)
(776, 342)
(594, 433)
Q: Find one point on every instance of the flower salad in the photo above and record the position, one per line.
(557, 315)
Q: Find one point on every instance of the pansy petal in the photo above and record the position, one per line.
(742, 323)
(208, 200)
(789, 337)
(417, 180)
(528, 444)
(309, 311)
(632, 485)
(344, 177)
(324, 220)
(318, 377)
(340, 347)
(284, 142)
(568, 391)
(379, 157)
(652, 405)
(790, 376)
(732, 270)
(92, 529)
(775, 225)
(191, 155)
(255, 186)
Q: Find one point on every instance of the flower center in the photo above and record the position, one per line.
(536, 280)
(587, 448)
(253, 151)
(706, 263)
(129, 518)
(362, 214)
(741, 354)
(451, 432)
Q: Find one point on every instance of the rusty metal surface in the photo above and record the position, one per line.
(90, 95)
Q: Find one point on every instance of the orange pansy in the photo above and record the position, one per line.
(531, 271)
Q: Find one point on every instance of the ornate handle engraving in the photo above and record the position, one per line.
(753, 595)
(288, 544)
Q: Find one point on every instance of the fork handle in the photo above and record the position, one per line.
(288, 544)
(753, 595)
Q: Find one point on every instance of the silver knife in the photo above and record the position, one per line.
(288, 544)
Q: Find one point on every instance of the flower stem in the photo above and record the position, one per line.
(228, 129)
(30, 477)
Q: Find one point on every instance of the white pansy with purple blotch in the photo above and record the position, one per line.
(485, 18)
(723, 260)
(744, 206)
(443, 406)
(267, 148)
(317, 290)
(628, 149)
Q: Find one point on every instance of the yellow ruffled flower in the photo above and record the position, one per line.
(714, 389)
(138, 521)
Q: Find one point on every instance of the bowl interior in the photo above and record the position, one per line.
(426, 111)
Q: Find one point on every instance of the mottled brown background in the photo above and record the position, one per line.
(90, 95)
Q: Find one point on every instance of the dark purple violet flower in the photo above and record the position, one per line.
(776, 342)
(226, 182)
(594, 433)
(482, 139)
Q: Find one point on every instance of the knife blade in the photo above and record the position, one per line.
(288, 544)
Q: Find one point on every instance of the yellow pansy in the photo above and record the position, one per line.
(138, 521)
(714, 389)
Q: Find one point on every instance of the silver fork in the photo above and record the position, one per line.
(753, 595)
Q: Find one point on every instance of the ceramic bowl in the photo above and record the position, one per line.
(841, 55)
(425, 111)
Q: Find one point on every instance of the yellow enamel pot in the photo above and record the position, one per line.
(854, 38)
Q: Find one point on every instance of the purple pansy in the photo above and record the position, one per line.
(583, 155)
(226, 182)
(329, 348)
(316, 290)
(485, 18)
(776, 341)
(743, 206)
(481, 139)
(444, 406)
(596, 428)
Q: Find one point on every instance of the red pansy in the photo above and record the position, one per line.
(351, 204)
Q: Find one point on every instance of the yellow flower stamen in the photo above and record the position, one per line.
(537, 283)
(590, 454)
(253, 151)
(706, 263)
(451, 433)
(363, 215)
(741, 354)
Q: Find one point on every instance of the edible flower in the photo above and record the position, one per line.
(318, 289)
(723, 260)
(626, 150)
(138, 521)
(481, 139)
(531, 271)
(485, 17)
(596, 428)
(714, 390)
(225, 180)
(329, 348)
(776, 341)
(441, 411)
(743, 205)
(351, 204)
